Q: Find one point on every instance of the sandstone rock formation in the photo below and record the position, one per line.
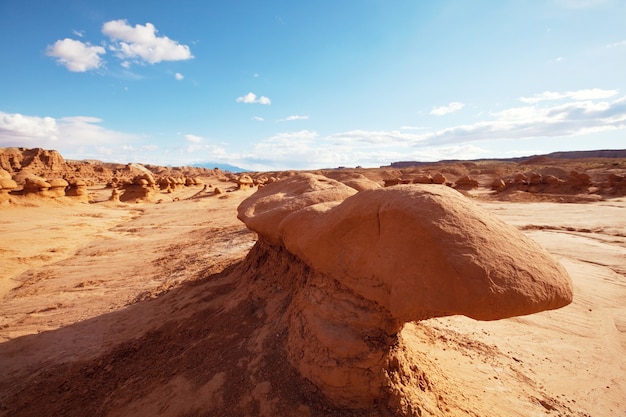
(245, 182)
(439, 178)
(57, 187)
(382, 257)
(466, 183)
(32, 184)
(142, 188)
(6, 185)
(78, 189)
(36, 160)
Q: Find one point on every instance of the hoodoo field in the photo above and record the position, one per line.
(454, 288)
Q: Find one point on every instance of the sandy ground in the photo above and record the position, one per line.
(90, 290)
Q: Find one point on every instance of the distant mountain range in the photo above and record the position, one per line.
(223, 167)
(602, 153)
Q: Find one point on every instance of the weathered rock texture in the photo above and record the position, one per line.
(382, 257)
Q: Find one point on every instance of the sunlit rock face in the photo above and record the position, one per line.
(381, 257)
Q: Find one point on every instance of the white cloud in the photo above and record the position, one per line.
(586, 94)
(380, 138)
(258, 119)
(450, 108)
(141, 42)
(292, 118)
(617, 44)
(79, 33)
(194, 138)
(17, 130)
(251, 98)
(569, 119)
(179, 76)
(75, 55)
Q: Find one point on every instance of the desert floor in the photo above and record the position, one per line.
(132, 309)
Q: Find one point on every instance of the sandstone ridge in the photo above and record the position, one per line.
(382, 257)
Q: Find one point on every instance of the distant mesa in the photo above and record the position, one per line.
(376, 259)
(534, 159)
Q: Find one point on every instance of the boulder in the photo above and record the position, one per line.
(423, 179)
(498, 184)
(439, 178)
(466, 183)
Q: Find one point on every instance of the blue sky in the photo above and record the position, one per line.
(283, 84)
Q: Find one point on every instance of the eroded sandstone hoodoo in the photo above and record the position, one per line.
(382, 257)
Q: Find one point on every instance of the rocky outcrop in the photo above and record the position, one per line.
(36, 160)
(382, 257)
(141, 189)
(534, 182)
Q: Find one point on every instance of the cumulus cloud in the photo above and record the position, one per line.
(450, 108)
(179, 76)
(258, 119)
(140, 42)
(252, 98)
(75, 55)
(19, 130)
(194, 138)
(586, 94)
(292, 118)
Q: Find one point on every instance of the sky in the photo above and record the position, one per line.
(311, 84)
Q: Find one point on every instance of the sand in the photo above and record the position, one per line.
(136, 309)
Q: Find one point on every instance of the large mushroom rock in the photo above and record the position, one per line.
(384, 257)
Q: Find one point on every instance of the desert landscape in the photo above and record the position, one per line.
(455, 288)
